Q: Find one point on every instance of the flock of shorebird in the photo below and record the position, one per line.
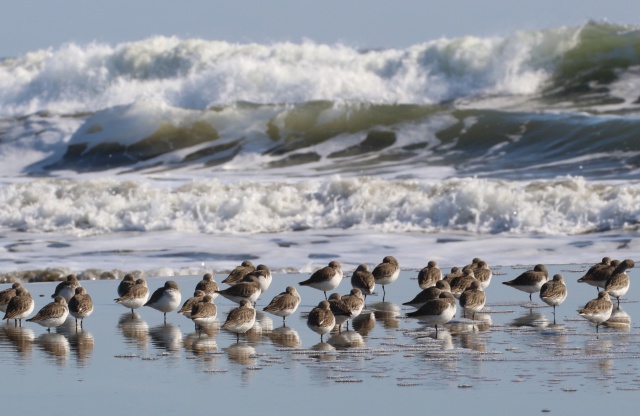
(435, 304)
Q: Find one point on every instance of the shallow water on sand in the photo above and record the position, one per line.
(513, 358)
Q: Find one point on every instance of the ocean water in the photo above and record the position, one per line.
(177, 156)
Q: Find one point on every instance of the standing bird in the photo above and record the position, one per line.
(204, 311)
(7, 294)
(321, 319)
(136, 297)
(239, 272)
(455, 272)
(461, 283)
(80, 305)
(325, 279)
(429, 275)
(284, 304)
(599, 273)
(354, 302)
(363, 279)
(438, 311)
(52, 314)
(340, 311)
(67, 288)
(554, 292)
(125, 284)
(247, 289)
(429, 293)
(386, 273)
(598, 310)
(20, 306)
(473, 299)
(264, 276)
(483, 273)
(530, 281)
(188, 304)
(208, 285)
(241, 319)
(618, 283)
(166, 298)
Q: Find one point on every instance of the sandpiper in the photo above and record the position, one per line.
(363, 279)
(325, 279)
(354, 302)
(208, 285)
(188, 304)
(247, 289)
(136, 297)
(204, 311)
(530, 281)
(483, 273)
(386, 273)
(239, 272)
(599, 273)
(321, 319)
(455, 272)
(67, 288)
(284, 304)
(80, 305)
(125, 284)
(461, 283)
(429, 293)
(473, 299)
(554, 292)
(166, 298)
(598, 310)
(241, 319)
(340, 311)
(20, 306)
(52, 314)
(7, 294)
(265, 277)
(618, 283)
(438, 311)
(429, 275)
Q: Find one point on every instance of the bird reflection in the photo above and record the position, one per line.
(346, 339)
(21, 337)
(134, 329)
(364, 323)
(55, 345)
(285, 336)
(201, 342)
(82, 345)
(242, 353)
(166, 337)
(619, 319)
(387, 313)
(532, 319)
(325, 351)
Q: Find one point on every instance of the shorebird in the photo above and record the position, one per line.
(208, 285)
(363, 279)
(264, 276)
(20, 306)
(429, 275)
(321, 319)
(284, 304)
(461, 283)
(429, 293)
(125, 284)
(473, 299)
(7, 294)
(554, 292)
(325, 279)
(166, 298)
(455, 272)
(483, 273)
(386, 273)
(599, 273)
(67, 288)
(354, 302)
(598, 310)
(241, 319)
(247, 289)
(438, 311)
(618, 283)
(80, 305)
(530, 281)
(52, 314)
(188, 304)
(339, 309)
(239, 272)
(136, 297)
(204, 311)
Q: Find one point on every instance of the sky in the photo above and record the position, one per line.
(39, 24)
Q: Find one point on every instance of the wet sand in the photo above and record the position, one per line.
(512, 358)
